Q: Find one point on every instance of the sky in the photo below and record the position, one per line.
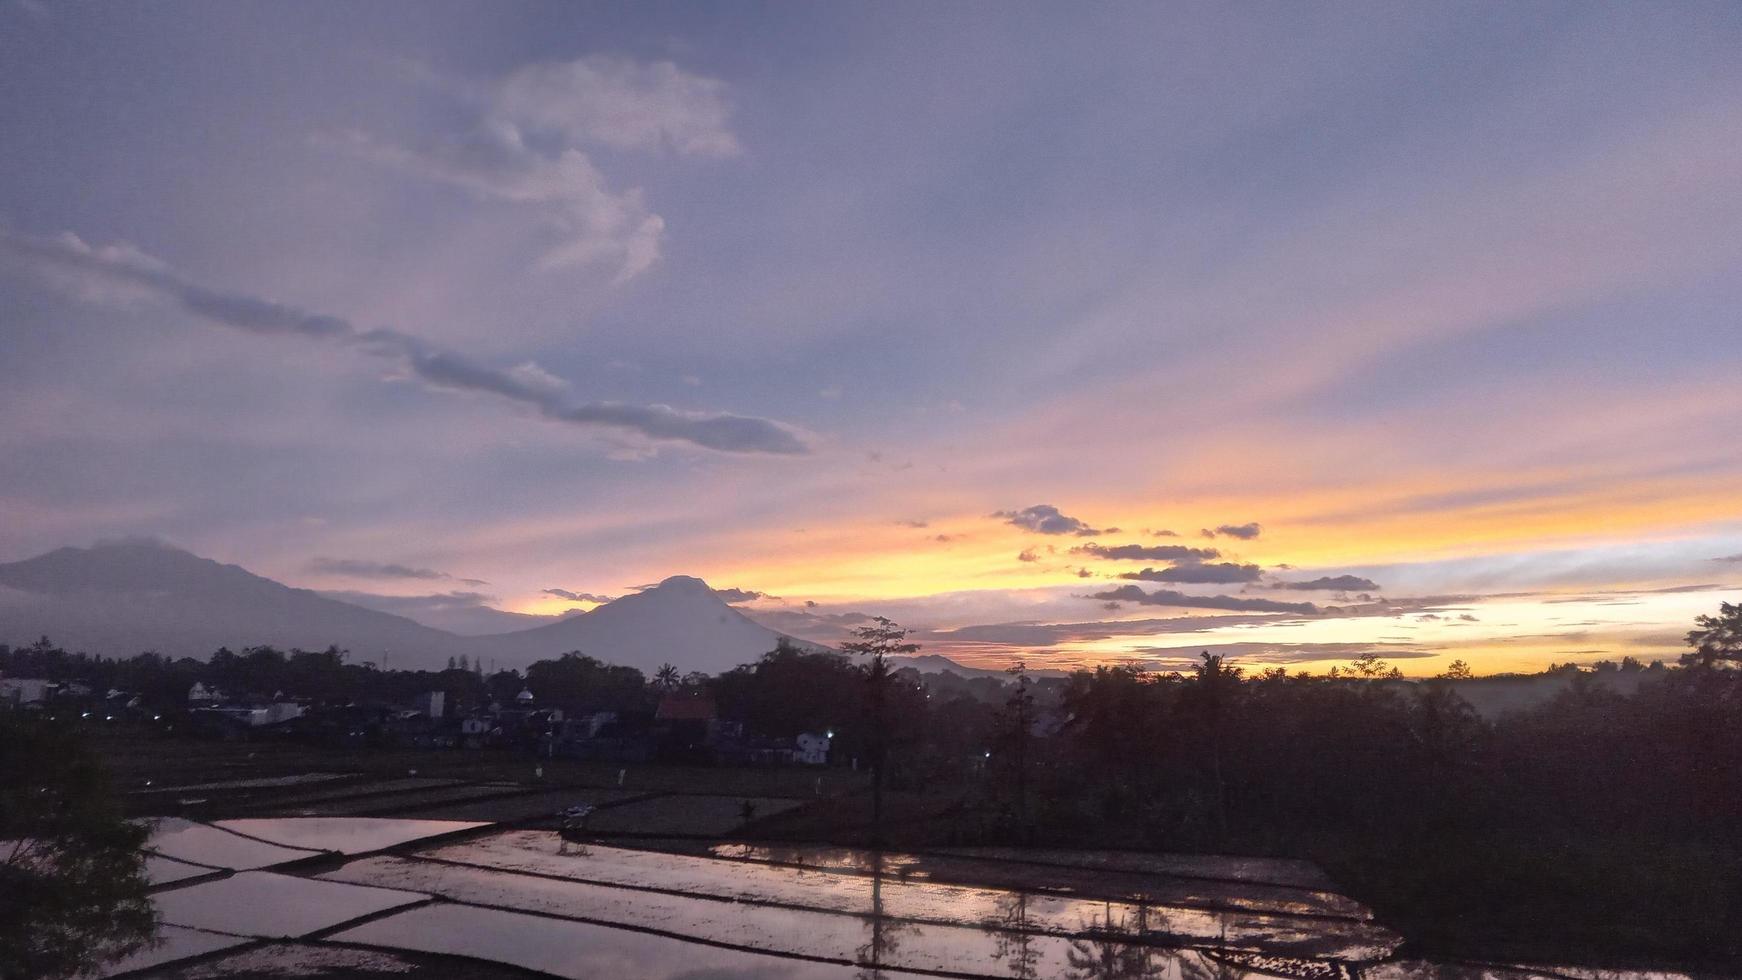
(1061, 335)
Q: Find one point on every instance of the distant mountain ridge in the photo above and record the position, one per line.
(125, 598)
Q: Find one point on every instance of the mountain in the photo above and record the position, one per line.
(679, 621)
(931, 663)
(122, 599)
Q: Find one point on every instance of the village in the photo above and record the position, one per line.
(684, 726)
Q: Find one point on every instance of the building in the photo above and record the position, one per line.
(811, 749)
(26, 690)
(431, 704)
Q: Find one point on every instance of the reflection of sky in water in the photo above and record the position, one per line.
(519, 897)
(822, 892)
(1191, 888)
(198, 843)
(261, 903)
(576, 949)
(343, 834)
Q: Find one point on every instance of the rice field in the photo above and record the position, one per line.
(399, 895)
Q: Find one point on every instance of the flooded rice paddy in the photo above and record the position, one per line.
(530, 899)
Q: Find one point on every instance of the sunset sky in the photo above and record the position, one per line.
(1402, 327)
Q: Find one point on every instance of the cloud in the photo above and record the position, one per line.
(1139, 552)
(912, 524)
(1244, 532)
(807, 624)
(525, 145)
(1028, 554)
(734, 596)
(1219, 573)
(465, 613)
(1046, 519)
(1731, 559)
(359, 568)
(437, 601)
(1164, 533)
(620, 103)
(590, 223)
(436, 367)
(1184, 657)
(1332, 583)
(578, 596)
(1180, 600)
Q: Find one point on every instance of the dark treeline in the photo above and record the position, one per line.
(1594, 820)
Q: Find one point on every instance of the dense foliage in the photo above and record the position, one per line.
(72, 885)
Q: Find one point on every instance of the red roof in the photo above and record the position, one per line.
(685, 707)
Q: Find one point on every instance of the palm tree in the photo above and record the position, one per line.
(666, 678)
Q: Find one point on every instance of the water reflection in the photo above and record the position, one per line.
(1014, 944)
(1106, 949)
(884, 934)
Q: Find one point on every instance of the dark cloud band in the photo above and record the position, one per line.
(1333, 583)
(1219, 573)
(433, 365)
(1180, 600)
(1046, 519)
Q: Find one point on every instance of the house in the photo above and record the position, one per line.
(686, 708)
(431, 704)
(26, 690)
(811, 749)
(200, 696)
(686, 725)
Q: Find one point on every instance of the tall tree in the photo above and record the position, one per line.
(1017, 724)
(877, 642)
(1718, 640)
(72, 879)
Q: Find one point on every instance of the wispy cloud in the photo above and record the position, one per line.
(1140, 552)
(578, 596)
(620, 103)
(361, 568)
(1332, 583)
(1217, 573)
(1244, 532)
(1180, 600)
(528, 141)
(438, 367)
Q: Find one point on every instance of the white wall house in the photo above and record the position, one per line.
(25, 690)
(813, 750)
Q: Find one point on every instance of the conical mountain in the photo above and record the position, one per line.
(125, 598)
(680, 621)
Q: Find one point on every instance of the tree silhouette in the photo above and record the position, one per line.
(877, 642)
(666, 678)
(1016, 724)
(72, 881)
(1718, 640)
